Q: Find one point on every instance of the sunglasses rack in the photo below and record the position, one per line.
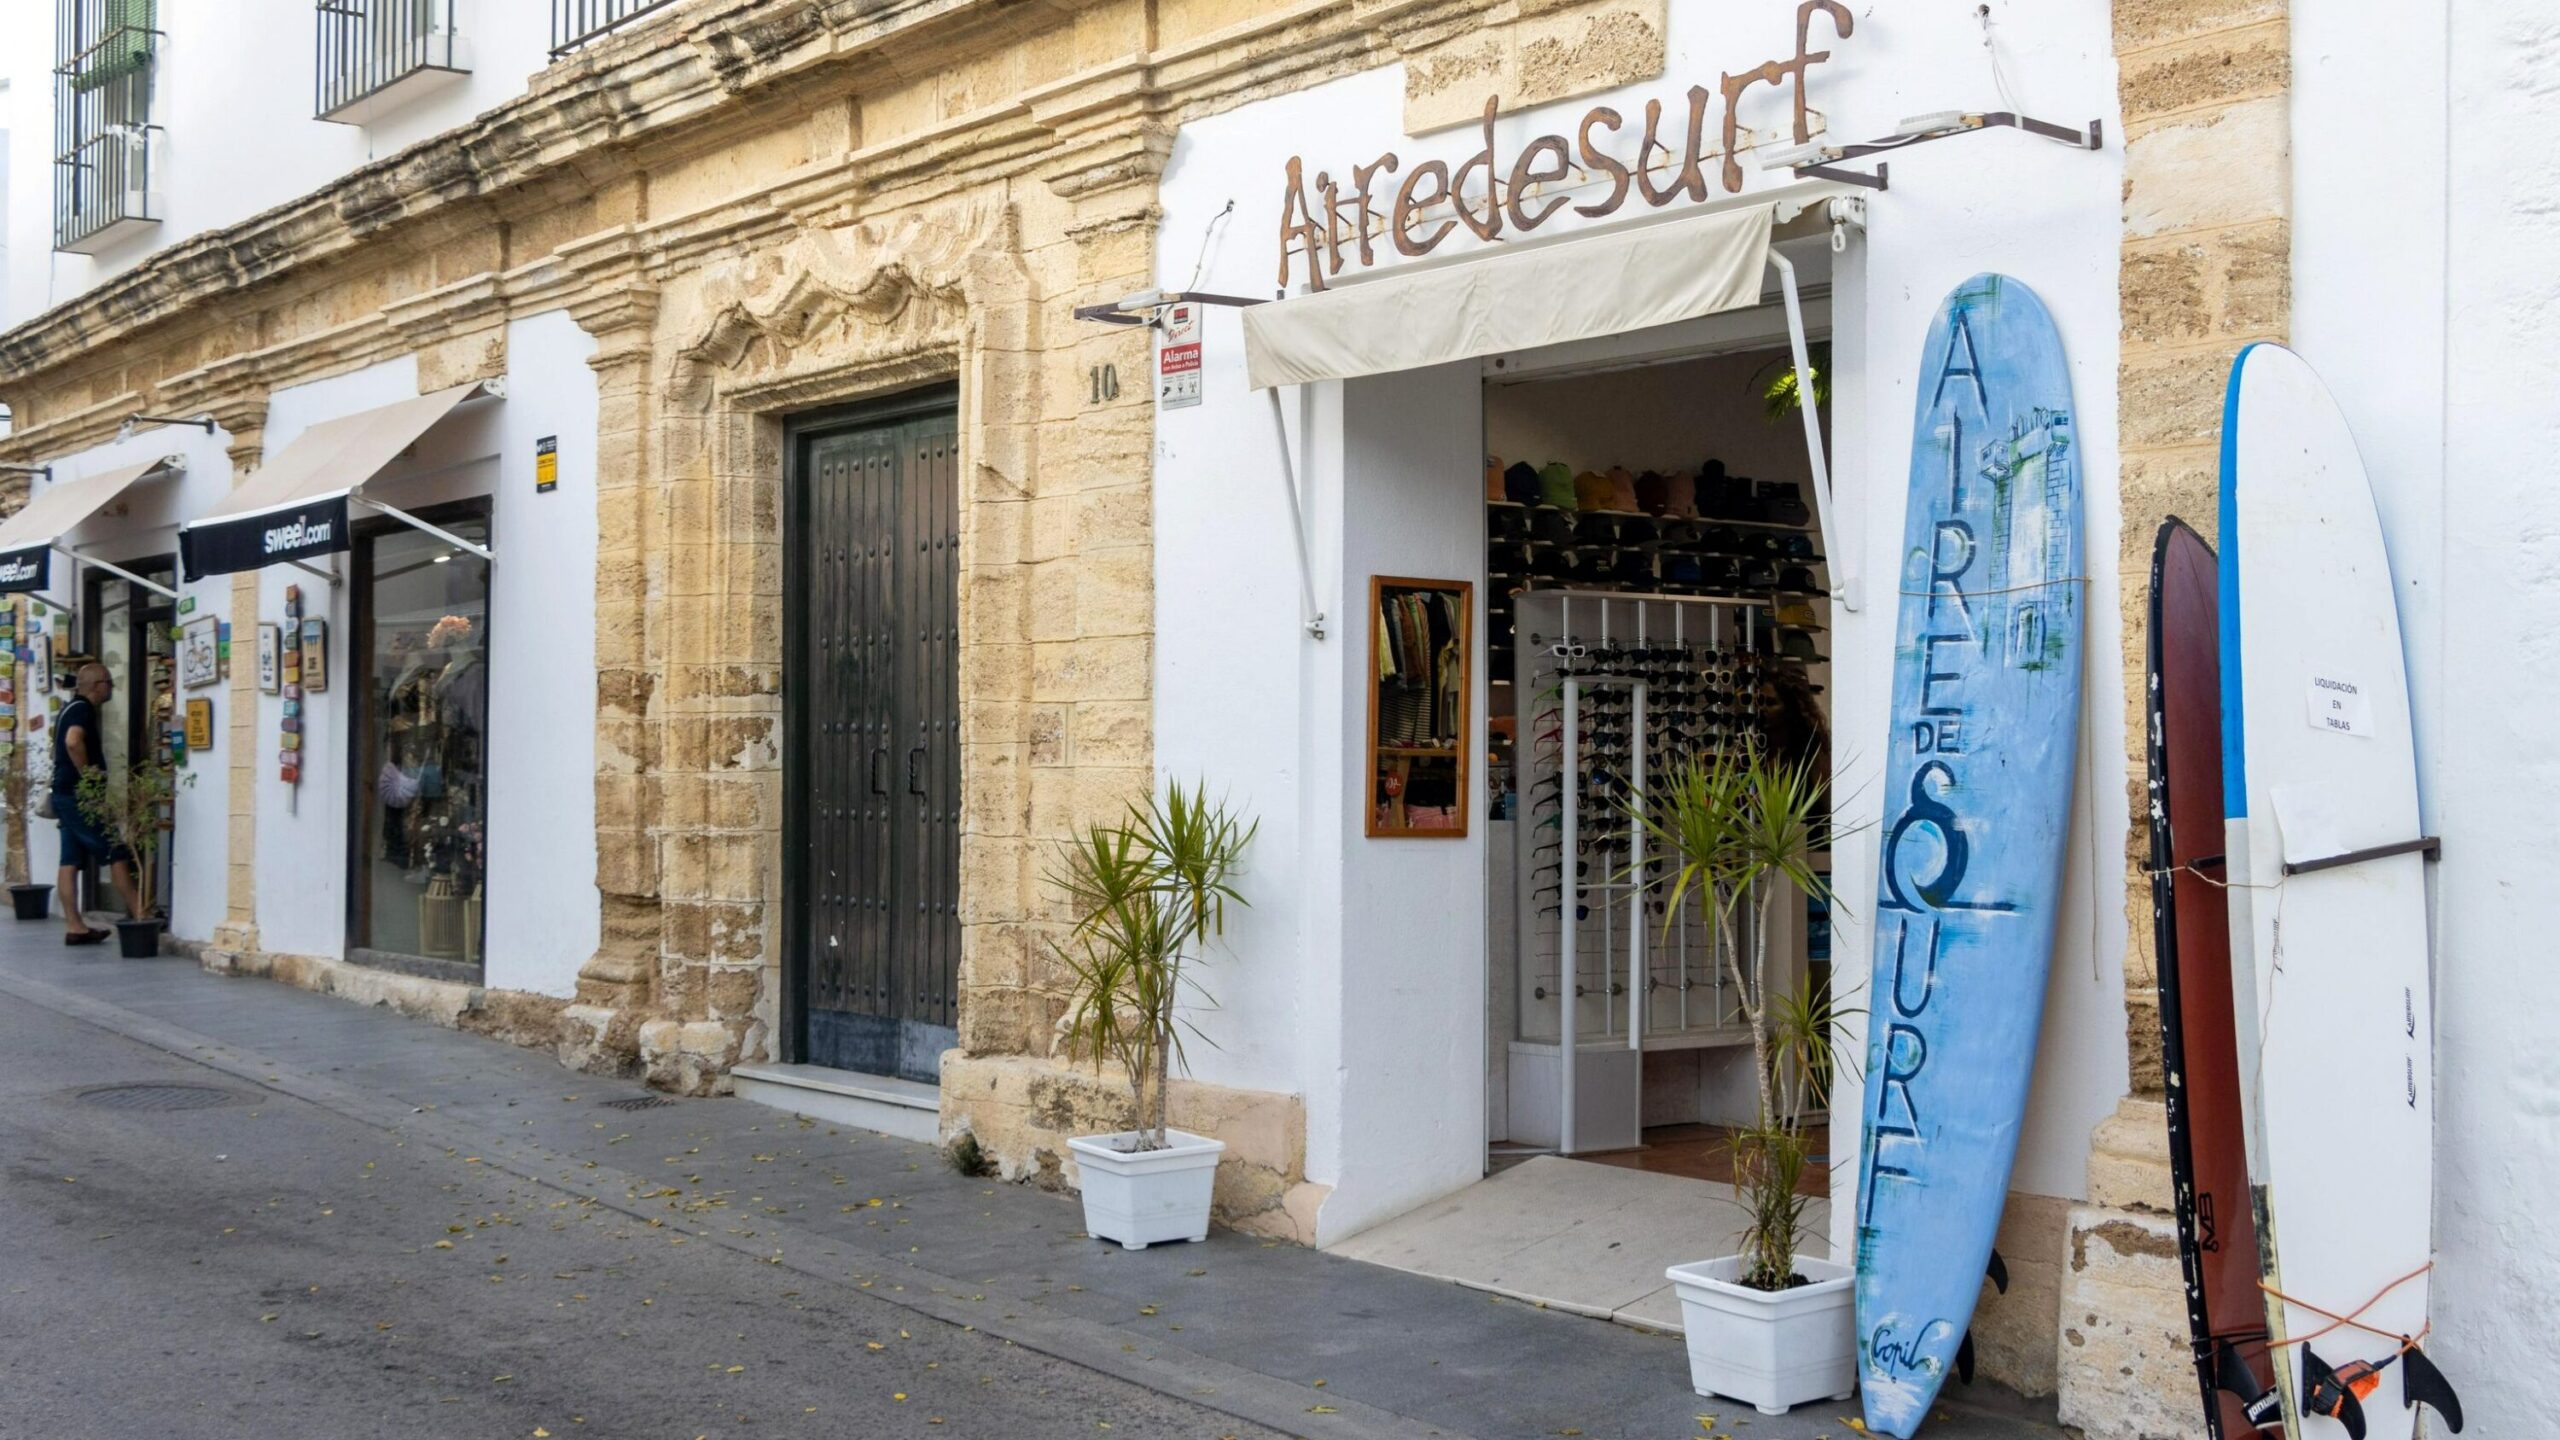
(1613, 687)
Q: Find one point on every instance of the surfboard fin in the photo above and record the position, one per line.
(2338, 1396)
(2421, 1383)
(1964, 1360)
(2261, 1404)
(1998, 1271)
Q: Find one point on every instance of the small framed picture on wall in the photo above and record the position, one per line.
(270, 658)
(315, 655)
(199, 653)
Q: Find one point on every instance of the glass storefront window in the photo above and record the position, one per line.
(421, 688)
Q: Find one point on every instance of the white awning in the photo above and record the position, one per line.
(58, 509)
(1572, 290)
(295, 506)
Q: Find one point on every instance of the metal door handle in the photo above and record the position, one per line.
(879, 771)
(915, 771)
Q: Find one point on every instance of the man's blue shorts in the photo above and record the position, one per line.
(82, 842)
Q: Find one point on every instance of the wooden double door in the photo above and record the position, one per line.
(872, 759)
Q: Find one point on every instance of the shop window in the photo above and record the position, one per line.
(420, 689)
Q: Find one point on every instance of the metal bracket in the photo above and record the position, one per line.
(1146, 307)
(1878, 181)
(2431, 846)
(1920, 131)
(414, 523)
(1313, 613)
(202, 422)
(1843, 574)
(154, 586)
(329, 575)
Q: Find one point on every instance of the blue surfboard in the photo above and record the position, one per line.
(1985, 726)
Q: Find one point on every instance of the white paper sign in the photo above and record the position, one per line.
(2338, 705)
(1178, 358)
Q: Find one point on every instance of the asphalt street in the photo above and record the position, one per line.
(267, 1267)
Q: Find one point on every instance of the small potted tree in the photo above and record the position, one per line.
(1766, 1325)
(1147, 893)
(132, 810)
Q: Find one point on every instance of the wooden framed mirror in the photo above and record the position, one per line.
(1421, 654)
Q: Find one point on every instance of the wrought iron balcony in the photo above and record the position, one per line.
(375, 55)
(575, 22)
(104, 141)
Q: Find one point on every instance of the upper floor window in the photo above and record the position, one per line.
(575, 22)
(105, 52)
(373, 55)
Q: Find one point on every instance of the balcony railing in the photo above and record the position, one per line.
(575, 22)
(104, 141)
(372, 54)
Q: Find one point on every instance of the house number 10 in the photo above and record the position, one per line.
(1106, 383)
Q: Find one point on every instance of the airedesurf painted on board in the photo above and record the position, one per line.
(2332, 1011)
(1985, 725)
(2191, 929)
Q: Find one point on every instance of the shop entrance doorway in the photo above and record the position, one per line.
(130, 630)
(872, 760)
(1655, 586)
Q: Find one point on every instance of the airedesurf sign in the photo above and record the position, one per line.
(1350, 219)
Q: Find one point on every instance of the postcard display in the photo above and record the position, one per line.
(289, 743)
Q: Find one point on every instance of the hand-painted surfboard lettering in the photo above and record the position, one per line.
(1983, 725)
(1912, 1354)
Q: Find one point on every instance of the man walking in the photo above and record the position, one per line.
(79, 745)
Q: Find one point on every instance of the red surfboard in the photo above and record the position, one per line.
(2208, 1153)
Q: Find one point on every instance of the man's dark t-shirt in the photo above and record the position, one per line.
(66, 775)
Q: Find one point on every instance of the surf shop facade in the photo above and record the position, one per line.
(1516, 488)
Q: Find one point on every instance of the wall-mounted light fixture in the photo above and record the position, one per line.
(125, 430)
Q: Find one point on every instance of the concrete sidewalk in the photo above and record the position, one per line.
(1301, 1342)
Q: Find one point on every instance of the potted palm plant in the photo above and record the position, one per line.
(1148, 892)
(1766, 1325)
(133, 810)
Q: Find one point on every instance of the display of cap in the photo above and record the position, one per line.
(1555, 486)
(1520, 484)
(1591, 490)
(1622, 488)
(1493, 487)
(1551, 526)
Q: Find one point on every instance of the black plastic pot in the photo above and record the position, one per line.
(34, 902)
(138, 939)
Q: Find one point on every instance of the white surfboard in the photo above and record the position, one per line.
(2328, 907)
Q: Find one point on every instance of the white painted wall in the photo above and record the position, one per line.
(544, 916)
(235, 93)
(2427, 294)
(1336, 990)
(145, 526)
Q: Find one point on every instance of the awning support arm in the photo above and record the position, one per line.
(329, 575)
(1314, 614)
(1844, 580)
(154, 586)
(414, 523)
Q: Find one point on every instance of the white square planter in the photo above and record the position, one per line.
(1144, 1197)
(1769, 1350)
